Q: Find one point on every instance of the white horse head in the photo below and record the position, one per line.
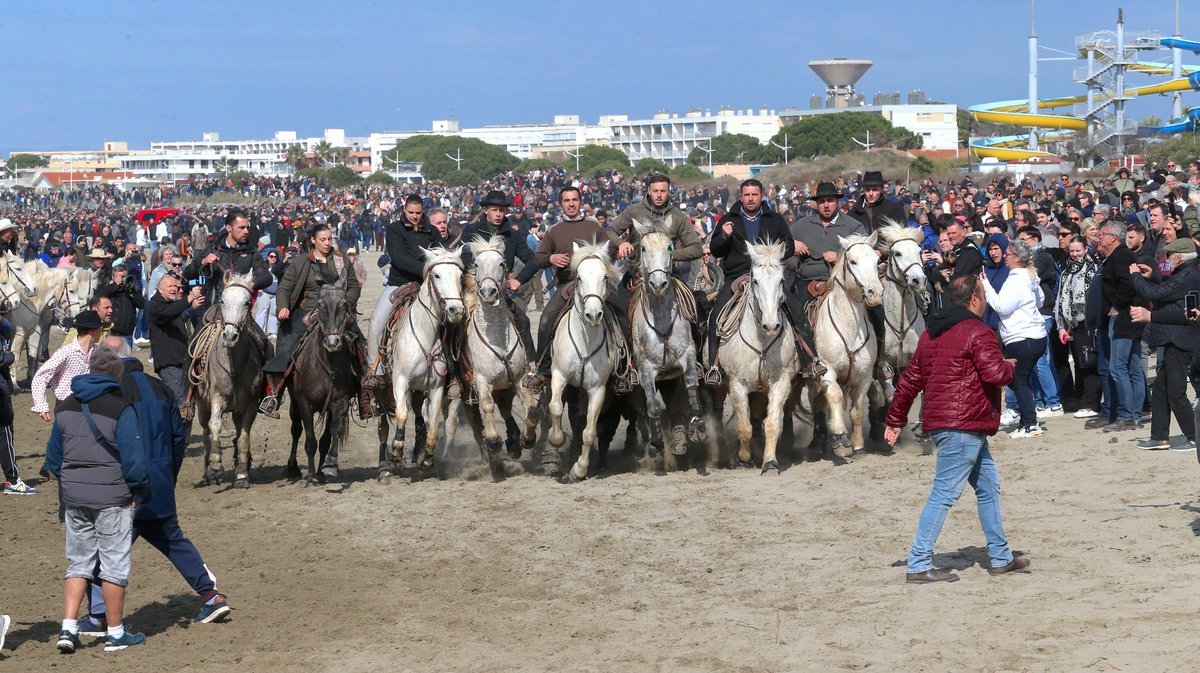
(443, 280)
(655, 255)
(858, 269)
(593, 272)
(235, 306)
(490, 274)
(18, 274)
(766, 284)
(10, 296)
(900, 247)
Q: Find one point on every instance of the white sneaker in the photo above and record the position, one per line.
(5, 622)
(1050, 412)
(1086, 413)
(142, 342)
(1026, 433)
(1009, 417)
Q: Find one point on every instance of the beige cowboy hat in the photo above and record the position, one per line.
(6, 224)
(97, 253)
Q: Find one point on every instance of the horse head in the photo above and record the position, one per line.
(332, 311)
(235, 305)
(443, 280)
(593, 271)
(900, 248)
(490, 274)
(858, 269)
(16, 272)
(766, 284)
(655, 255)
(10, 297)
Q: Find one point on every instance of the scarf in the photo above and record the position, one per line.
(1072, 292)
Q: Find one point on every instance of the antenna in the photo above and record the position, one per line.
(457, 159)
(867, 145)
(785, 147)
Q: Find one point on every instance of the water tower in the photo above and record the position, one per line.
(839, 75)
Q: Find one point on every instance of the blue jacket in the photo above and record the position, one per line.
(164, 434)
(89, 475)
(996, 274)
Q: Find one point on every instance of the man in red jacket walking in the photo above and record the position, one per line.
(961, 370)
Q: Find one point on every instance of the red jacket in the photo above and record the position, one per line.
(962, 373)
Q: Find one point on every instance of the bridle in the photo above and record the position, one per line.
(756, 311)
(895, 274)
(862, 290)
(435, 350)
(241, 324)
(580, 298)
(496, 282)
(580, 303)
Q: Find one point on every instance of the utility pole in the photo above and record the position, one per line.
(785, 147)
(574, 154)
(867, 145)
(710, 151)
(457, 159)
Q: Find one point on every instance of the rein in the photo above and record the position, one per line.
(436, 349)
(901, 281)
(829, 311)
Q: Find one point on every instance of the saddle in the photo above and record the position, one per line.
(402, 298)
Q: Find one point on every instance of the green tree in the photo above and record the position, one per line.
(650, 165)
(296, 156)
(341, 176)
(1181, 149)
(736, 148)
(922, 166)
(478, 158)
(592, 157)
(536, 165)
(322, 152)
(20, 161)
(828, 134)
(465, 176)
(380, 178)
(688, 172)
(1152, 120)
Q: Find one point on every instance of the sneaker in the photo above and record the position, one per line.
(217, 611)
(67, 642)
(143, 342)
(1086, 413)
(1121, 426)
(94, 626)
(1097, 423)
(1050, 412)
(1009, 417)
(1187, 445)
(19, 488)
(5, 622)
(1153, 444)
(128, 640)
(1026, 433)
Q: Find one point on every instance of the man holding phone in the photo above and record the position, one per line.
(1173, 296)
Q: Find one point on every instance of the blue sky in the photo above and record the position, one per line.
(74, 74)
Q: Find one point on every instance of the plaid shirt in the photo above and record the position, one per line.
(66, 363)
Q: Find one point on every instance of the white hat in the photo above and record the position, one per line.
(6, 224)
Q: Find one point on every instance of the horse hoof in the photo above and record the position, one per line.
(771, 468)
(656, 449)
(493, 446)
(858, 452)
(311, 482)
(572, 479)
(696, 431)
(514, 451)
(527, 442)
(744, 464)
(426, 464)
(329, 473)
(841, 441)
(844, 453)
(556, 438)
(384, 476)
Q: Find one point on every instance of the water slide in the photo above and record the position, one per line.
(1063, 127)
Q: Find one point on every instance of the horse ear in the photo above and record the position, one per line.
(842, 242)
(226, 277)
(427, 253)
(873, 238)
(574, 247)
(457, 251)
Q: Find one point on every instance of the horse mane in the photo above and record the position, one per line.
(766, 254)
(894, 232)
(598, 250)
(480, 245)
(656, 240)
(440, 255)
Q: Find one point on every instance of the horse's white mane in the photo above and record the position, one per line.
(894, 232)
(244, 281)
(598, 250)
(766, 254)
(480, 245)
(441, 256)
(656, 240)
(854, 239)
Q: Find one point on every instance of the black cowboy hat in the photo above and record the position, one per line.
(87, 319)
(872, 179)
(826, 190)
(495, 198)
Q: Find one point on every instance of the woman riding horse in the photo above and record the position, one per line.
(297, 297)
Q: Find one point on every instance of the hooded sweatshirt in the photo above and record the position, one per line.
(996, 273)
(1017, 303)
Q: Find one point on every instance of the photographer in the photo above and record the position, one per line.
(126, 301)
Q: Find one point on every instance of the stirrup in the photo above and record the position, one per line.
(534, 381)
(814, 370)
(269, 406)
(713, 376)
(187, 410)
(884, 371)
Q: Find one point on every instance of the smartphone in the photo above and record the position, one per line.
(1191, 301)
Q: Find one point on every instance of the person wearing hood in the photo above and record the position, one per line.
(96, 452)
(996, 269)
(1021, 328)
(959, 369)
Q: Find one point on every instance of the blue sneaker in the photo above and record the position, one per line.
(128, 640)
(217, 611)
(96, 627)
(67, 642)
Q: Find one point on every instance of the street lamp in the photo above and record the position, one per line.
(785, 147)
(709, 150)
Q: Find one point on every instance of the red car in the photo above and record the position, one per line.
(155, 215)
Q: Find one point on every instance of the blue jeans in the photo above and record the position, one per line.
(962, 458)
(1107, 388)
(1128, 375)
(1045, 382)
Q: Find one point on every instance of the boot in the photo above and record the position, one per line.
(270, 402)
(187, 409)
(367, 409)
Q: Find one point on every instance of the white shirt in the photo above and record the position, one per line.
(1017, 304)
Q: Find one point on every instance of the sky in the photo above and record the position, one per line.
(76, 74)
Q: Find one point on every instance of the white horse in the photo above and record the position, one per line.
(661, 338)
(758, 354)
(220, 389)
(419, 357)
(904, 295)
(845, 341)
(495, 358)
(584, 349)
(60, 294)
(13, 267)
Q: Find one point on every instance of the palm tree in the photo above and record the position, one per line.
(321, 151)
(296, 156)
(339, 156)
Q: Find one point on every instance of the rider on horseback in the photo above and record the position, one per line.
(234, 253)
(746, 221)
(403, 240)
(297, 297)
(495, 222)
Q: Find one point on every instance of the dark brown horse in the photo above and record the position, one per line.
(324, 380)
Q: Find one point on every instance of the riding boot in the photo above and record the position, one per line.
(883, 371)
(270, 402)
(811, 366)
(188, 408)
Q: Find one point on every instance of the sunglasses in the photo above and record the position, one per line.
(1073, 219)
(1067, 232)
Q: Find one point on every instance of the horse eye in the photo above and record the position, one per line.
(896, 254)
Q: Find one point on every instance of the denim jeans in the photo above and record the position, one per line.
(1108, 410)
(1026, 352)
(962, 458)
(1128, 375)
(1044, 380)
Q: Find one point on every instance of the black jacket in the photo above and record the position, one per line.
(732, 249)
(515, 246)
(876, 215)
(403, 246)
(168, 336)
(968, 261)
(240, 259)
(1117, 292)
(126, 301)
(1168, 295)
(1047, 273)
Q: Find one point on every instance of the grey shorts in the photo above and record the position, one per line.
(100, 534)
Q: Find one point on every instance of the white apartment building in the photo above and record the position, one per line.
(936, 124)
(179, 160)
(671, 138)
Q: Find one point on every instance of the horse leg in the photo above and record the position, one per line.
(533, 414)
(214, 472)
(310, 450)
(595, 402)
(428, 435)
(740, 398)
(202, 416)
(512, 432)
(695, 430)
(487, 413)
(654, 408)
(858, 409)
(401, 394)
(334, 424)
(293, 467)
(385, 464)
(773, 425)
(558, 383)
(835, 414)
